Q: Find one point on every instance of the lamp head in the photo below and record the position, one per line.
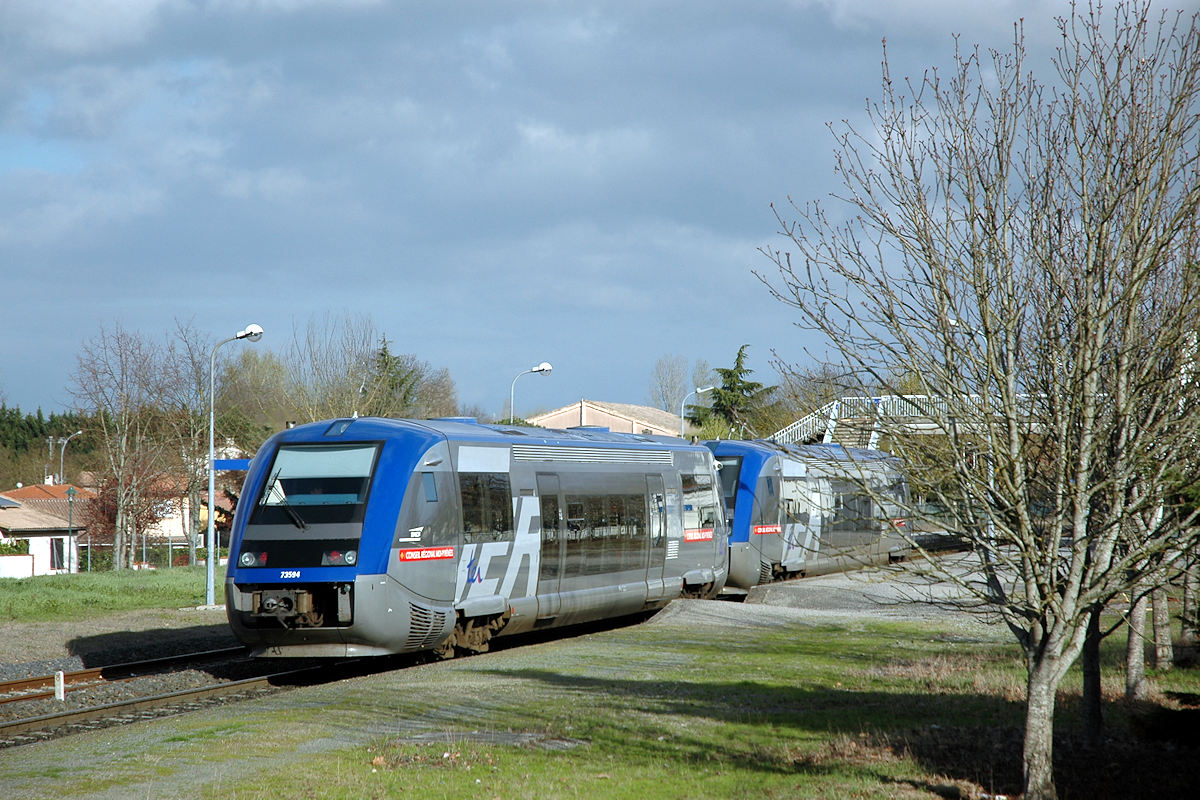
(253, 332)
(543, 368)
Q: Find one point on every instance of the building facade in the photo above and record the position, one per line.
(617, 417)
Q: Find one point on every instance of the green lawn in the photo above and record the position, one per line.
(88, 594)
(664, 710)
(830, 711)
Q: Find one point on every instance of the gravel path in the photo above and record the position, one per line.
(39, 648)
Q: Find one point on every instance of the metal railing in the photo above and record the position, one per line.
(820, 424)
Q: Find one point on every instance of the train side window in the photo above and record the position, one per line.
(851, 509)
(605, 527)
(795, 500)
(486, 506)
(430, 487)
(699, 502)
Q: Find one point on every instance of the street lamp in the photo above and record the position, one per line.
(684, 405)
(543, 368)
(71, 531)
(62, 478)
(252, 333)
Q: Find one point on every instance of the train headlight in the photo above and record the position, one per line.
(339, 558)
(248, 559)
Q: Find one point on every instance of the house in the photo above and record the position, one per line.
(51, 498)
(617, 417)
(53, 540)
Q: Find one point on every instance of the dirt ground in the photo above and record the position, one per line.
(110, 638)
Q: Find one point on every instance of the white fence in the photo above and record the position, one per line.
(820, 424)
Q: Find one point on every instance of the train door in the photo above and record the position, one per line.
(550, 569)
(800, 524)
(822, 549)
(656, 536)
(852, 525)
(767, 525)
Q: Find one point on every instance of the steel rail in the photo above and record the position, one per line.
(296, 676)
(40, 687)
(60, 719)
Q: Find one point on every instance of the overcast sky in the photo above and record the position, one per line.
(493, 183)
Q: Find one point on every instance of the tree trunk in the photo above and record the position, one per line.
(193, 537)
(1189, 637)
(1135, 649)
(119, 540)
(1093, 717)
(1164, 654)
(1039, 735)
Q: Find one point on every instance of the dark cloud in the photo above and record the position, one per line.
(492, 183)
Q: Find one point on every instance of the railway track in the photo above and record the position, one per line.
(48, 726)
(43, 687)
(47, 718)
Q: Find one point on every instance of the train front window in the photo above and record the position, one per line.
(731, 468)
(316, 484)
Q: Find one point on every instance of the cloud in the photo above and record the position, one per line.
(81, 27)
(483, 178)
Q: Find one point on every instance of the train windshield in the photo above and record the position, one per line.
(731, 467)
(316, 483)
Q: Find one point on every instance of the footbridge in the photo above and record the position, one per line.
(859, 421)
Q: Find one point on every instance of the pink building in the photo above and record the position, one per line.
(617, 417)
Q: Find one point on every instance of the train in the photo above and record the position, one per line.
(796, 510)
(371, 536)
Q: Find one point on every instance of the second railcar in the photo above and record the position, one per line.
(809, 509)
(375, 536)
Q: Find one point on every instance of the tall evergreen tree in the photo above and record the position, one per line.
(737, 401)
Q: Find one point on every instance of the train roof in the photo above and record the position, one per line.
(821, 452)
(467, 429)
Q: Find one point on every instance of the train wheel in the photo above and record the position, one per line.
(472, 635)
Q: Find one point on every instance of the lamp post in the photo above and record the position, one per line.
(62, 478)
(71, 531)
(252, 333)
(543, 368)
(683, 405)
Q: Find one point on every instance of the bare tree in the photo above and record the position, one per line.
(1026, 251)
(343, 367)
(1189, 615)
(1164, 650)
(328, 366)
(437, 396)
(251, 396)
(668, 383)
(118, 378)
(703, 375)
(184, 403)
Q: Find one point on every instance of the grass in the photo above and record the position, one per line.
(879, 710)
(662, 710)
(89, 594)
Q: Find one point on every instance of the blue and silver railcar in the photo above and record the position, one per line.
(808, 509)
(376, 536)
